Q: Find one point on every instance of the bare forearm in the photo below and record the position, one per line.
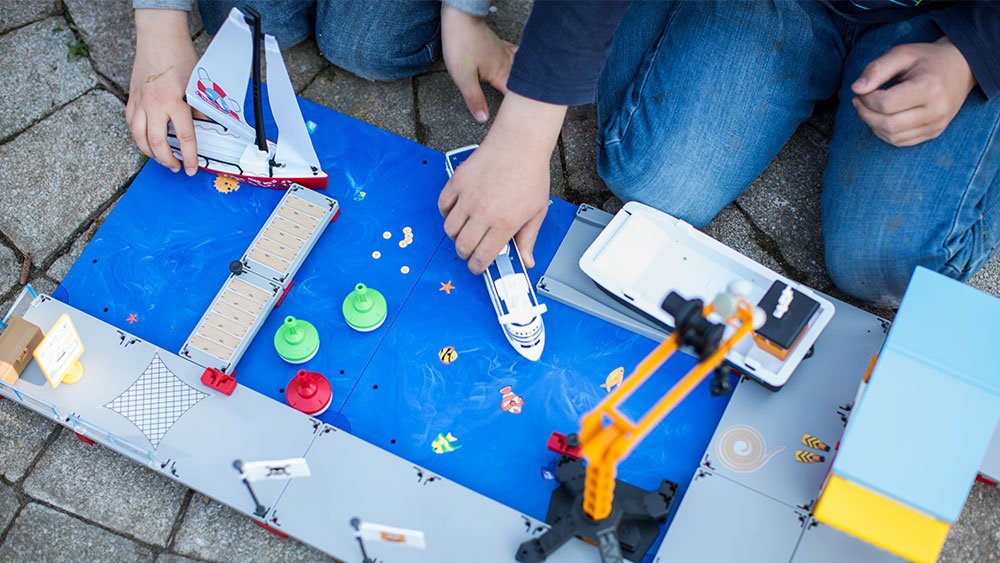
(532, 126)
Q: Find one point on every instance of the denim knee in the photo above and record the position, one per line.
(289, 21)
(376, 62)
(663, 183)
(862, 268)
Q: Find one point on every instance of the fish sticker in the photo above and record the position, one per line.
(614, 379)
(444, 443)
(447, 355)
(511, 402)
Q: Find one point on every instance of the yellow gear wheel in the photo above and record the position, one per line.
(225, 184)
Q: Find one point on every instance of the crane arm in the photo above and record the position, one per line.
(608, 436)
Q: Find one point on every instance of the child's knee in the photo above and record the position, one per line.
(375, 62)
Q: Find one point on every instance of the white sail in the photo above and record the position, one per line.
(295, 149)
(218, 85)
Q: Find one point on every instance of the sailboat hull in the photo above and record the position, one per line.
(271, 182)
(219, 152)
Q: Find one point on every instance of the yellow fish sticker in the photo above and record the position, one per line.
(444, 443)
(614, 379)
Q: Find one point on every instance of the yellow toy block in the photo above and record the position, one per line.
(880, 521)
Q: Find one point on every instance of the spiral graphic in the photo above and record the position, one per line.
(742, 449)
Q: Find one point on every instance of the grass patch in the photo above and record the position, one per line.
(77, 50)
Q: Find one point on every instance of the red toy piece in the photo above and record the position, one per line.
(309, 392)
(284, 294)
(218, 380)
(986, 481)
(272, 529)
(559, 444)
(84, 439)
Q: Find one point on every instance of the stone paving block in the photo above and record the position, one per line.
(108, 29)
(40, 284)
(976, 535)
(508, 18)
(10, 269)
(388, 105)
(43, 201)
(8, 506)
(171, 558)
(22, 435)
(447, 124)
(784, 204)
(43, 534)
(58, 270)
(304, 62)
(731, 228)
(215, 532)
(36, 55)
(612, 205)
(14, 13)
(988, 279)
(106, 488)
(579, 144)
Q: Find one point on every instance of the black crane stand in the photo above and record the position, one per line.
(628, 532)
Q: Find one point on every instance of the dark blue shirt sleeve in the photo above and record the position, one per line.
(974, 27)
(563, 50)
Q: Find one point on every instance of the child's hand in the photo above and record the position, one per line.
(502, 190)
(473, 53)
(933, 80)
(164, 58)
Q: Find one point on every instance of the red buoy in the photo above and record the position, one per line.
(309, 392)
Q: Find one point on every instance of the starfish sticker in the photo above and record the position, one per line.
(447, 287)
(132, 319)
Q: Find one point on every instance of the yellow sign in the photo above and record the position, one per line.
(59, 353)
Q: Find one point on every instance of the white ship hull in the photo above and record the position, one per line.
(515, 303)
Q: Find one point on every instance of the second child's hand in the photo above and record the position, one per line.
(473, 53)
(932, 82)
(502, 190)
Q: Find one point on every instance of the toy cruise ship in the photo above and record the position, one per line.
(227, 145)
(515, 303)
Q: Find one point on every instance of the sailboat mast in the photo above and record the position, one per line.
(253, 20)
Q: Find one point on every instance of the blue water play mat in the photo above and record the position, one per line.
(163, 253)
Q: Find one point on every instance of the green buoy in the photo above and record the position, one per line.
(364, 309)
(296, 341)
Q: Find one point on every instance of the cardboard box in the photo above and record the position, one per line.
(16, 345)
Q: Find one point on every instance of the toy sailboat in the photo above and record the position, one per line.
(227, 145)
(515, 303)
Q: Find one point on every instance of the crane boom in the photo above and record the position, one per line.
(607, 435)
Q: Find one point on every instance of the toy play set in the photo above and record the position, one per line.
(349, 386)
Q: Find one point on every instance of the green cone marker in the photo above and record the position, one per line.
(296, 341)
(364, 309)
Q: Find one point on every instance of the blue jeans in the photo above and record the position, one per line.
(698, 97)
(383, 40)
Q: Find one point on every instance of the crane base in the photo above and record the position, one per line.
(627, 533)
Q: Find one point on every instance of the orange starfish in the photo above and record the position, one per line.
(447, 287)
(132, 319)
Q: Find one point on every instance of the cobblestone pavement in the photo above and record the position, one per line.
(66, 157)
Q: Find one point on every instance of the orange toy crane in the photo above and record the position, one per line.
(590, 503)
